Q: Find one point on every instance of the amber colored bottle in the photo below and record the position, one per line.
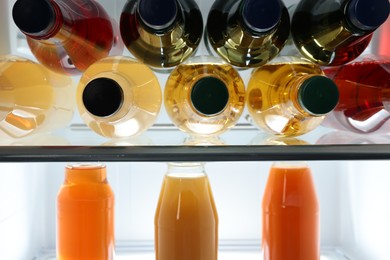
(290, 96)
(85, 214)
(33, 99)
(247, 33)
(204, 96)
(290, 209)
(364, 104)
(335, 32)
(161, 33)
(67, 36)
(186, 220)
(119, 97)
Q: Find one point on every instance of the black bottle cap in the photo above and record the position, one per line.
(157, 14)
(368, 14)
(33, 16)
(102, 97)
(261, 15)
(209, 96)
(318, 95)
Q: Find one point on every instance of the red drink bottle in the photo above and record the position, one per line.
(67, 35)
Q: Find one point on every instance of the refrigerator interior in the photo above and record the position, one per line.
(353, 195)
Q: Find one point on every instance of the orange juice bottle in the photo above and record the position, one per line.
(85, 214)
(186, 221)
(290, 214)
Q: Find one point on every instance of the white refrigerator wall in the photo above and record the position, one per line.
(354, 196)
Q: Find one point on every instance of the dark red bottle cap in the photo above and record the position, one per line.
(157, 14)
(102, 97)
(33, 16)
(261, 15)
(209, 96)
(367, 15)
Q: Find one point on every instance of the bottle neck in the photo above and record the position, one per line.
(186, 170)
(85, 173)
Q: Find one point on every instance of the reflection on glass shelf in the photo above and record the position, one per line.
(326, 254)
(341, 137)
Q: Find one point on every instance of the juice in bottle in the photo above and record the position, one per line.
(186, 221)
(290, 209)
(85, 214)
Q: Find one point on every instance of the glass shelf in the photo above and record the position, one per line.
(166, 143)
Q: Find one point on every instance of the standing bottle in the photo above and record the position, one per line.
(290, 96)
(161, 33)
(247, 33)
(204, 96)
(118, 97)
(186, 220)
(32, 98)
(85, 214)
(335, 32)
(290, 209)
(67, 36)
(364, 105)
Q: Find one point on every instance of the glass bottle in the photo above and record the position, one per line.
(161, 33)
(364, 105)
(67, 36)
(290, 209)
(247, 33)
(289, 96)
(85, 214)
(33, 99)
(186, 220)
(119, 97)
(204, 96)
(335, 32)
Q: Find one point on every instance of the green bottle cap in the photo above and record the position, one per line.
(209, 96)
(102, 97)
(318, 95)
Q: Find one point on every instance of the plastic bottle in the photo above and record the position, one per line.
(290, 208)
(161, 33)
(186, 219)
(85, 214)
(289, 96)
(119, 97)
(335, 32)
(364, 105)
(33, 99)
(67, 36)
(204, 96)
(247, 33)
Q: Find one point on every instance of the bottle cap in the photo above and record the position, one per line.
(209, 96)
(33, 16)
(318, 95)
(368, 14)
(102, 97)
(261, 15)
(157, 14)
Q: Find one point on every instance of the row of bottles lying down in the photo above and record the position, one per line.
(121, 97)
(68, 36)
(186, 218)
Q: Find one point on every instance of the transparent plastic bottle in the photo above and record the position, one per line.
(335, 32)
(290, 96)
(204, 96)
(85, 214)
(67, 36)
(161, 33)
(186, 219)
(364, 105)
(119, 97)
(247, 33)
(291, 211)
(33, 99)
